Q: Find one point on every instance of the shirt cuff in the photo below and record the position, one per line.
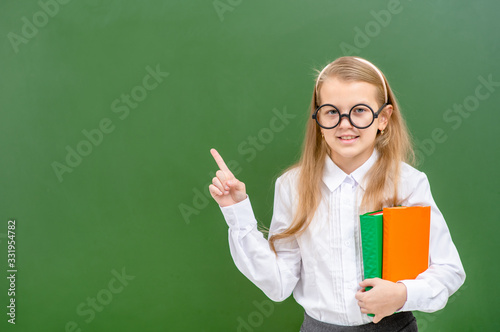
(239, 215)
(416, 293)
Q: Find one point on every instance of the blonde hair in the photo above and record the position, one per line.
(394, 146)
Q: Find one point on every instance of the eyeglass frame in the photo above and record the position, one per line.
(348, 115)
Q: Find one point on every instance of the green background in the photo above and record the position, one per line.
(232, 67)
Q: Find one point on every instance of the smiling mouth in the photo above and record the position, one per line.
(348, 138)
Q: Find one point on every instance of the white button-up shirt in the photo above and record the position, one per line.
(323, 266)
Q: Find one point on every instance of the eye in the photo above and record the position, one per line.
(331, 111)
(360, 110)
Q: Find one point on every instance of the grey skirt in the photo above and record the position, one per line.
(401, 322)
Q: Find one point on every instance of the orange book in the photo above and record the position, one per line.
(406, 242)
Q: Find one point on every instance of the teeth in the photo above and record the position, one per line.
(348, 137)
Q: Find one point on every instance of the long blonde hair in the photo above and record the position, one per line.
(394, 146)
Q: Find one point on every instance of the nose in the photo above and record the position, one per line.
(346, 123)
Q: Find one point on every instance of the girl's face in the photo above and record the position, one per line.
(350, 147)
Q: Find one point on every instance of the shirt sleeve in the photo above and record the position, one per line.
(431, 289)
(275, 275)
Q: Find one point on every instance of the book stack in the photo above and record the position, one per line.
(396, 242)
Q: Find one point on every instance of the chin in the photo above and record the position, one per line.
(351, 152)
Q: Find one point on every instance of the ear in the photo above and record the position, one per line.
(384, 116)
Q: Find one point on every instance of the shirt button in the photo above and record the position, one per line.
(347, 243)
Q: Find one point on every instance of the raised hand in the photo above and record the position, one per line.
(225, 188)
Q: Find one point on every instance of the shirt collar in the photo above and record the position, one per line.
(333, 176)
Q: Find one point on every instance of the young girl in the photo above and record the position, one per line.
(353, 161)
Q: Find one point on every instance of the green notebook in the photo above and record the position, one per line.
(372, 231)
(372, 240)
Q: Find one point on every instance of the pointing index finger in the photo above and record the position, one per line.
(220, 162)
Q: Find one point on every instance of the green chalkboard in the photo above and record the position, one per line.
(108, 111)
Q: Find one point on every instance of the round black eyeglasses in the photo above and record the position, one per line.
(360, 116)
